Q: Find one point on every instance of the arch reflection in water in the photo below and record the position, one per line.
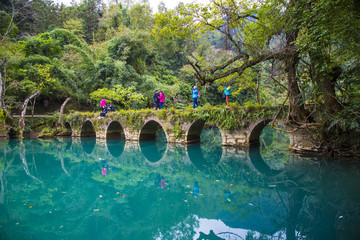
(259, 163)
(115, 146)
(115, 139)
(88, 137)
(274, 148)
(154, 150)
(208, 152)
(88, 144)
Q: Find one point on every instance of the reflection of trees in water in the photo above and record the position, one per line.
(274, 148)
(186, 228)
(308, 201)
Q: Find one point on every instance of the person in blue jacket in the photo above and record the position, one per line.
(195, 95)
(156, 99)
(227, 93)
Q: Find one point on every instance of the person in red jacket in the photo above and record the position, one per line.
(162, 99)
(103, 104)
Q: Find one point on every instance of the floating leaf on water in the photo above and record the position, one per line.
(185, 200)
(217, 180)
(30, 206)
(251, 204)
(341, 217)
(272, 185)
(118, 193)
(101, 196)
(96, 210)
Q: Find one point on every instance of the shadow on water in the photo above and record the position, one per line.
(154, 150)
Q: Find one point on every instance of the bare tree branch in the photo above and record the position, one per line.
(61, 114)
(249, 63)
(22, 116)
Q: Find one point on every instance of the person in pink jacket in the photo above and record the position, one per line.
(103, 104)
(162, 99)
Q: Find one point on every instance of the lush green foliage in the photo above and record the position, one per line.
(125, 97)
(300, 53)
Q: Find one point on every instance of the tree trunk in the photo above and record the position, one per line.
(33, 109)
(2, 84)
(256, 90)
(2, 89)
(296, 107)
(327, 87)
(22, 116)
(61, 114)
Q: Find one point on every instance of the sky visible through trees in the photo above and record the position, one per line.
(153, 3)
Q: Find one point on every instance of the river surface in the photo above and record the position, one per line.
(86, 188)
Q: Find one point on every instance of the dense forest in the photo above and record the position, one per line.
(300, 55)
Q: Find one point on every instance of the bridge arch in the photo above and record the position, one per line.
(114, 130)
(193, 132)
(153, 150)
(88, 136)
(150, 129)
(114, 138)
(67, 128)
(87, 129)
(255, 130)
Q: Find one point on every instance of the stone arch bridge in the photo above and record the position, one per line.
(183, 129)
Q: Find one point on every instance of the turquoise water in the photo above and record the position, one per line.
(72, 188)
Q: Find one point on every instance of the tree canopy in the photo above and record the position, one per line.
(301, 55)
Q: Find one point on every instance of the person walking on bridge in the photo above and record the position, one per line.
(156, 99)
(227, 93)
(162, 99)
(195, 95)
